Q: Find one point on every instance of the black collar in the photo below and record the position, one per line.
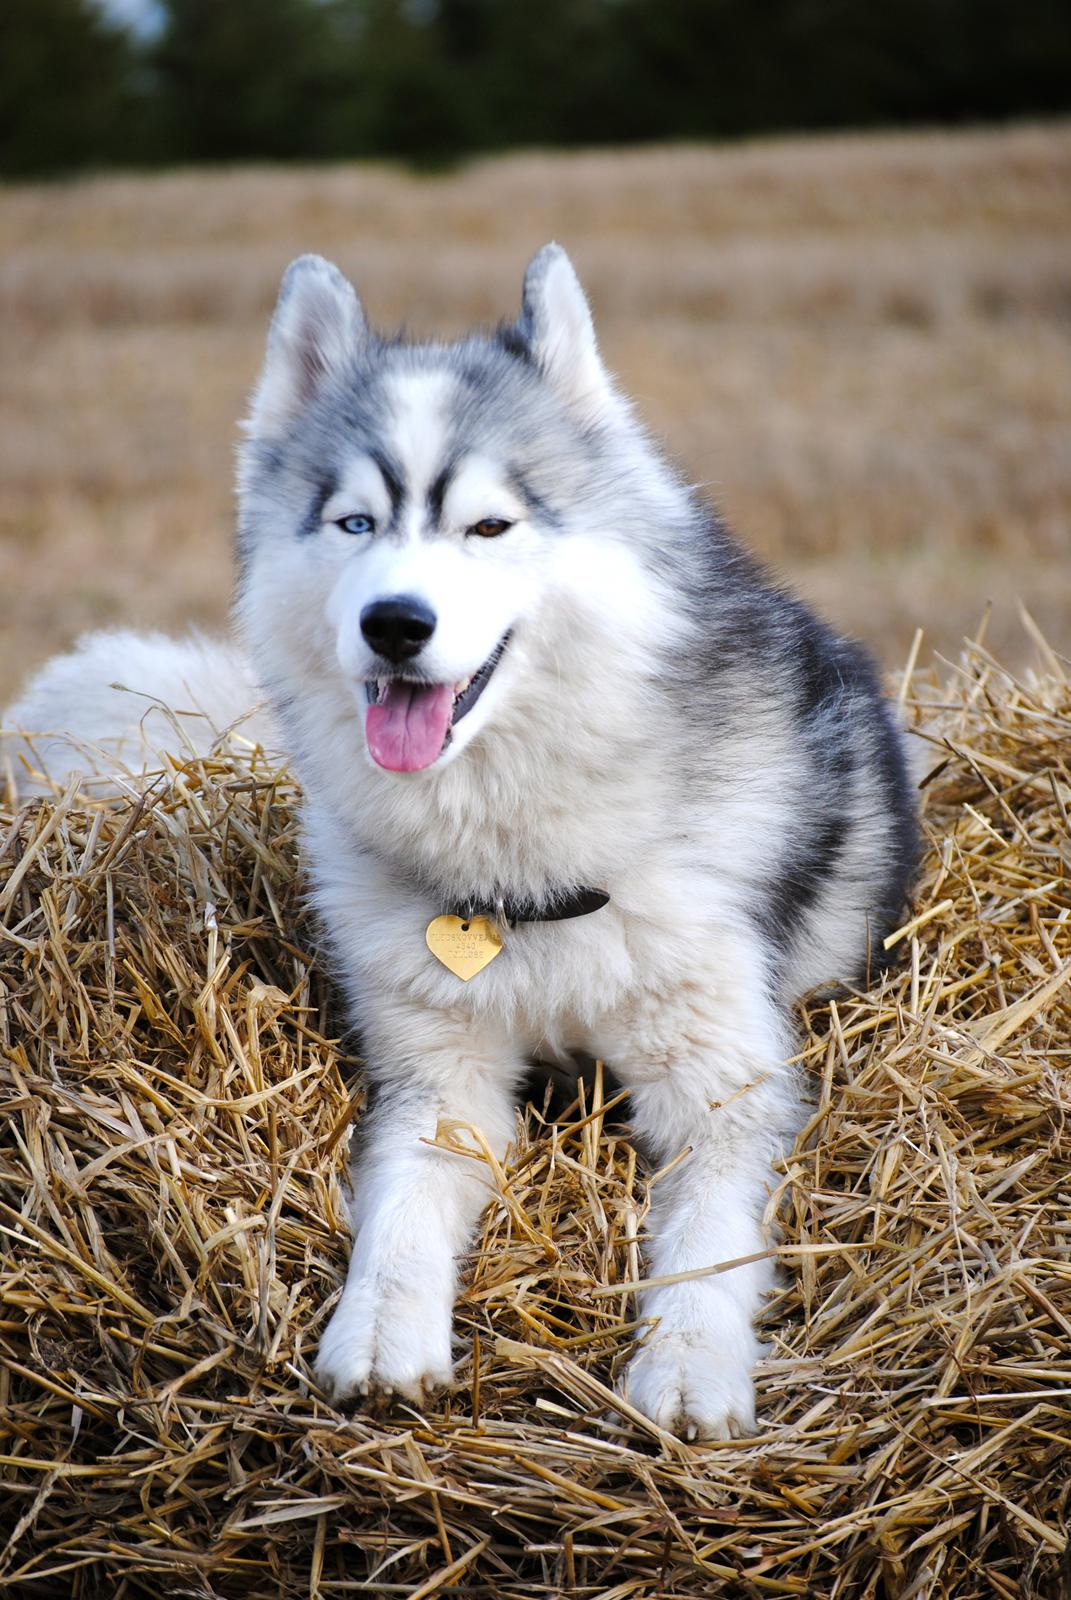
(577, 903)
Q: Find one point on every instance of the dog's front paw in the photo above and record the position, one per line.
(390, 1342)
(691, 1385)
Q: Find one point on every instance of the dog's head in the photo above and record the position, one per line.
(404, 506)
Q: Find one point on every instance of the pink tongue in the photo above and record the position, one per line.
(406, 728)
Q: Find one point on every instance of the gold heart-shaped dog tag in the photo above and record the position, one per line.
(465, 945)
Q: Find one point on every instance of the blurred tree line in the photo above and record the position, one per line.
(429, 81)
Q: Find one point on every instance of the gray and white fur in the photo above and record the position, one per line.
(655, 718)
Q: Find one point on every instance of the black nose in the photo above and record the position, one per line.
(398, 628)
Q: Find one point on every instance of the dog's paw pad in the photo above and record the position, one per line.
(367, 1350)
(687, 1385)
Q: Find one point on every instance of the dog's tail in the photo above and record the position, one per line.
(119, 703)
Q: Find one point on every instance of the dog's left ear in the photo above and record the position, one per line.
(556, 320)
(316, 333)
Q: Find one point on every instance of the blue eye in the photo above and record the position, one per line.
(357, 524)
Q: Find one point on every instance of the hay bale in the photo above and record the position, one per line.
(175, 1124)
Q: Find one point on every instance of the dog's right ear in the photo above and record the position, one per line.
(556, 318)
(316, 331)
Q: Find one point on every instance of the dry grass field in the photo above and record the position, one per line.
(861, 345)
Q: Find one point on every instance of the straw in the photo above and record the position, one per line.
(176, 1110)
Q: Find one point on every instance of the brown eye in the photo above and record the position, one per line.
(490, 527)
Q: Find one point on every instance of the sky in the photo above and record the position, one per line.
(140, 16)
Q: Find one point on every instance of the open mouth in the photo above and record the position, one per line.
(410, 722)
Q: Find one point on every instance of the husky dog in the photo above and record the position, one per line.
(528, 680)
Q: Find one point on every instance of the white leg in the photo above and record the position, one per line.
(715, 1087)
(414, 1207)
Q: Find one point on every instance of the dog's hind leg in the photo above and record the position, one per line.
(439, 1079)
(710, 1097)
